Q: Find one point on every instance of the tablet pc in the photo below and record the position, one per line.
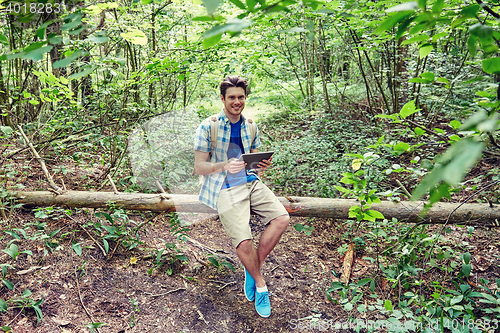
(252, 160)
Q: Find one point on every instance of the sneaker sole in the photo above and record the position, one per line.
(262, 315)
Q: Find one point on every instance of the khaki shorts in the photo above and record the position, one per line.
(235, 203)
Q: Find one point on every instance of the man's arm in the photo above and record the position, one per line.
(203, 167)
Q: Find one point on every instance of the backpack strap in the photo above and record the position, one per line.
(253, 129)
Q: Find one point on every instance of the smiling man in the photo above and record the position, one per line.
(234, 191)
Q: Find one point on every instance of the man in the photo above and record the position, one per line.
(234, 191)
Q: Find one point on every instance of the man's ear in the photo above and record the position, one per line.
(222, 98)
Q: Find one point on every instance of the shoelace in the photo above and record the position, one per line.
(263, 299)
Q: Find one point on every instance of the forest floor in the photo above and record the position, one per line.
(197, 296)
(192, 296)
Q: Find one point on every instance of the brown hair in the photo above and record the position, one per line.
(233, 81)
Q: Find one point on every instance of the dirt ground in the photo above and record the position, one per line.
(197, 297)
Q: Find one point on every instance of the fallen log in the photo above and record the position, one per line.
(468, 214)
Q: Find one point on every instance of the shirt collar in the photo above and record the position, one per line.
(226, 119)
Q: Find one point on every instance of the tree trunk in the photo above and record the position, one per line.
(467, 214)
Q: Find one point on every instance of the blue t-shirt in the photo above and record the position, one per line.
(235, 150)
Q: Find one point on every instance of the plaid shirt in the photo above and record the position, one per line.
(211, 187)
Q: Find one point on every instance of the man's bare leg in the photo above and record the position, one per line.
(271, 236)
(253, 259)
(248, 256)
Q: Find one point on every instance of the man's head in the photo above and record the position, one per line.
(233, 93)
(232, 82)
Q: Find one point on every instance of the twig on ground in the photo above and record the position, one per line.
(210, 250)
(166, 293)
(224, 284)
(88, 233)
(80, 294)
(17, 315)
(56, 188)
(112, 184)
(403, 188)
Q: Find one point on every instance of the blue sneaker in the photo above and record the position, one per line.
(249, 286)
(262, 304)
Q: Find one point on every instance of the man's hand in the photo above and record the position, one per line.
(264, 164)
(234, 166)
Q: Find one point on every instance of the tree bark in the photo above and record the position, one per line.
(466, 214)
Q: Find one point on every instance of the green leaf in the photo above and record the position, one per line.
(491, 65)
(251, 4)
(3, 305)
(4, 40)
(470, 11)
(234, 25)
(298, 227)
(375, 214)
(88, 69)
(211, 41)
(419, 80)
(363, 282)
(77, 248)
(106, 245)
(207, 18)
(40, 32)
(413, 5)
(428, 75)
(54, 39)
(214, 261)
(483, 32)
(388, 305)
(475, 119)
(401, 147)
(392, 21)
(67, 61)
(228, 265)
(466, 269)
(464, 156)
(438, 36)
(408, 109)
(12, 251)
(422, 4)
(211, 5)
(238, 4)
(416, 39)
(425, 50)
(33, 52)
(438, 6)
(135, 36)
(466, 257)
(8, 284)
(418, 131)
(99, 39)
(72, 21)
(471, 45)
(95, 325)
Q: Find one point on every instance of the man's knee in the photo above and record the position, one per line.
(281, 222)
(245, 245)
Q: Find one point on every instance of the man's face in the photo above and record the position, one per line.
(234, 101)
